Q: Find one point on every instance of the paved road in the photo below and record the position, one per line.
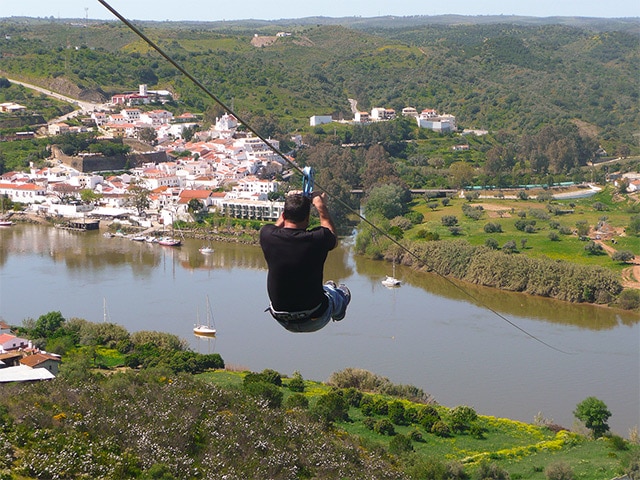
(85, 107)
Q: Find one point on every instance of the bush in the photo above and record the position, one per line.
(492, 243)
(593, 248)
(554, 237)
(461, 418)
(559, 471)
(491, 471)
(263, 391)
(493, 228)
(384, 427)
(624, 256)
(629, 299)
(400, 444)
(296, 384)
(440, 429)
(510, 247)
(330, 408)
(380, 406)
(297, 400)
(449, 220)
(397, 413)
(427, 235)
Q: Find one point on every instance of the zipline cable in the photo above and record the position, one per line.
(305, 175)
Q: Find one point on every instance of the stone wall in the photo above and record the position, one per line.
(99, 163)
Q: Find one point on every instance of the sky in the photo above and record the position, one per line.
(264, 10)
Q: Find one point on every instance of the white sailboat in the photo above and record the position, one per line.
(391, 281)
(205, 330)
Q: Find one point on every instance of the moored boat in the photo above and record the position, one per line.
(208, 329)
(169, 242)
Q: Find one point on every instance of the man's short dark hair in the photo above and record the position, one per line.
(296, 208)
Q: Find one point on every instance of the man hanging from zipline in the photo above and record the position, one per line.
(295, 257)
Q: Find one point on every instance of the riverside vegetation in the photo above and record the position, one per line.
(142, 406)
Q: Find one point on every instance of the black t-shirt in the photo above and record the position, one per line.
(295, 258)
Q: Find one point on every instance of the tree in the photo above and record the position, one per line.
(449, 220)
(594, 413)
(624, 256)
(147, 135)
(47, 325)
(461, 174)
(386, 200)
(138, 197)
(88, 196)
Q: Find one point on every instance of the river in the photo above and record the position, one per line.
(430, 332)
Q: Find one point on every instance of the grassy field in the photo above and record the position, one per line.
(524, 450)
(615, 210)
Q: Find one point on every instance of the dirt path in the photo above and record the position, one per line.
(630, 275)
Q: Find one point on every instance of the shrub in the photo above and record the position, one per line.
(400, 444)
(427, 235)
(381, 406)
(559, 471)
(414, 217)
(492, 243)
(330, 408)
(445, 202)
(461, 418)
(455, 230)
(629, 299)
(384, 427)
(369, 423)
(554, 237)
(510, 247)
(449, 220)
(593, 248)
(491, 471)
(296, 384)
(397, 413)
(565, 230)
(440, 429)
(618, 443)
(624, 256)
(493, 228)
(428, 416)
(297, 400)
(266, 392)
(415, 435)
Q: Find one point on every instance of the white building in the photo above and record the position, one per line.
(362, 117)
(379, 114)
(319, 120)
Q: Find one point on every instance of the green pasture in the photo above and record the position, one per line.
(506, 212)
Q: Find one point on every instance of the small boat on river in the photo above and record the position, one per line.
(208, 329)
(391, 281)
(205, 250)
(169, 242)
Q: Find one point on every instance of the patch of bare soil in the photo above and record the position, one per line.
(494, 211)
(258, 41)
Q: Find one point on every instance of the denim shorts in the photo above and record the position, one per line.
(312, 323)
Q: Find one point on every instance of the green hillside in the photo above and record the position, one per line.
(510, 77)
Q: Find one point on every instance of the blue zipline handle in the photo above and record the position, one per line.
(307, 181)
